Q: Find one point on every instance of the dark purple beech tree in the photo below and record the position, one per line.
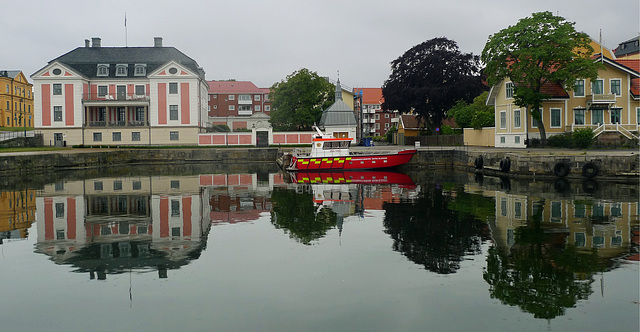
(432, 77)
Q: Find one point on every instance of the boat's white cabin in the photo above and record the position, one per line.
(329, 146)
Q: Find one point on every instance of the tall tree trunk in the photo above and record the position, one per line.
(543, 133)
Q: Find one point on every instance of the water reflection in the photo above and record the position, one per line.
(548, 250)
(549, 243)
(438, 227)
(17, 213)
(113, 225)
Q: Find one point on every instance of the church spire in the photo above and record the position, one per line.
(338, 90)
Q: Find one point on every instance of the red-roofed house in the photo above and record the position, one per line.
(375, 120)
(238, 104)
(609, 104)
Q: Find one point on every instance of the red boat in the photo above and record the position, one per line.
(330, 153)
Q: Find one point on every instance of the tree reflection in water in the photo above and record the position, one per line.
(438, 228)
(541, 274)
(299, 216)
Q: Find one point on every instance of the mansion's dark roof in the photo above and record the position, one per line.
(85, 60)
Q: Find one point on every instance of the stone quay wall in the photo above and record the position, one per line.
(625, 166)
(524, 164)
(83, 159)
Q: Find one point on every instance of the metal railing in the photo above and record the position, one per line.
(115, 97)
(135, 123)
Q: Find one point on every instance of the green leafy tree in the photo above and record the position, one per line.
(298, 102)
(430, 78)
(538, 50)
(475, 115)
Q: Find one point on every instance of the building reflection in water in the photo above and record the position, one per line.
(550, 252)
(17, 213)
(115, 225)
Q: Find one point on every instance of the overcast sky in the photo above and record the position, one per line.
(264, 41)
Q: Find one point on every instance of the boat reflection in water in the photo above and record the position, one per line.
(115, 225)
(314, 202)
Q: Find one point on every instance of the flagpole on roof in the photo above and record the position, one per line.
(601, 51)
(126, 35)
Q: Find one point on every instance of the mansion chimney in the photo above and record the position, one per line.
(87, 43)
(157, 42)
(95, 41)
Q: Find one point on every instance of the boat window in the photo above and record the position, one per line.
(336, 145)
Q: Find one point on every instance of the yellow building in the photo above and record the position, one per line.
(16, 99)
(611, 103)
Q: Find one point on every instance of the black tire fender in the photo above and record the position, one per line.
(589, 170)
(561, 169)
(478, 163)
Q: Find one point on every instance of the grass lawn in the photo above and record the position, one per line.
(44, 148)
(15, 129)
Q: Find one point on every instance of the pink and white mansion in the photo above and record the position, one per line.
(96, 95)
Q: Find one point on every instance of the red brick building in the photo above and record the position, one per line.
(237, 104)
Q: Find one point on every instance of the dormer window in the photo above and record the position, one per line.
(121, 70)
(140, 70)
(103, 70)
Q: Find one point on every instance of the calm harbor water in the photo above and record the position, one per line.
(253, 249)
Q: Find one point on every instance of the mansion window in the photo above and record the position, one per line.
(244, 97)
(232, 107)
(516, 118)
(509, 89)
(121, 70)
(173, 112)
(556, 117)
(140, 90)
(256, 97)
(135, 136)
(140, 70)
(232, 97)
(57, 113)
(57, 89)
(103, 70)
(257, 108)
(503, 120)
(267, 108)
(139, 113)
(597, 87)
(578, 116)
(615, 87)
(117, 136)
(174, 136)
(578, 89)
(173, 88)
(97, 137)
(102, 90)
